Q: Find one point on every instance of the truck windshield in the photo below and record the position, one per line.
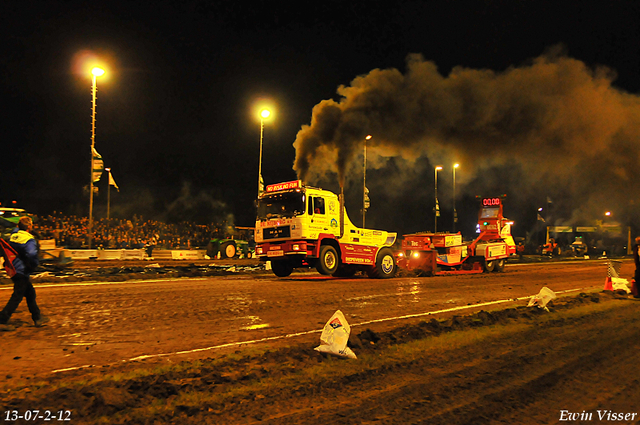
(286, 204)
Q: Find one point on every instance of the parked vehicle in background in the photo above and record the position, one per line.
(237, 242)
(579, 247)
(9, 216)
(551, 248)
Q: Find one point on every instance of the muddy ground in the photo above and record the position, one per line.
(503, 363)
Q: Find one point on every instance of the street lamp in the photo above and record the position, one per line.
(96, 72)
(437, 208)
(264, 114)
(365, 192)
(455, 213)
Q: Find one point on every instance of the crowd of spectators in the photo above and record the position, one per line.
(72, 232)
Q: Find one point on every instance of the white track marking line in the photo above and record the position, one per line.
(464, 307)
(293, 335)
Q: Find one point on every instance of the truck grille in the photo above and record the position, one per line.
(277, 232)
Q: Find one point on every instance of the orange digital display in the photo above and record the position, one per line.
(490, 202)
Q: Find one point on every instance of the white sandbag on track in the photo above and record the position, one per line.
(335, 336)
(542, 299)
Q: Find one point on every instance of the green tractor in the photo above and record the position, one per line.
(48, 253)
(9, 217)
(234, 245)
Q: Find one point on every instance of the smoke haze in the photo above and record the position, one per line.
(554, 125)
(188, 205)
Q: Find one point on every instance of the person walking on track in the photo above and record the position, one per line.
(25, 249)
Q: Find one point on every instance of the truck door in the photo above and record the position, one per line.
(323, 216)
(315, 218)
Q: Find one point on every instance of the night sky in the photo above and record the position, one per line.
(536, 100)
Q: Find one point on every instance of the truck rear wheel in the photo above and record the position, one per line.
(281, 268)
(385, 265)
(328, 261)
(489, 266)
(228, 250)
(500, 265)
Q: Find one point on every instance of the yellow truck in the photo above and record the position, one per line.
(303, 226)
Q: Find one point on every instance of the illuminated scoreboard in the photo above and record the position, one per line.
(491, 202)
(491, 209)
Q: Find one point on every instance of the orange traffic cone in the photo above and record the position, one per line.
(608, 285)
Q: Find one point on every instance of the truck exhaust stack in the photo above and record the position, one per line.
(341, 211)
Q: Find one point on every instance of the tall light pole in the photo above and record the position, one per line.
(365, 192)
(264, 114)
(539, 218)
(437, 208)
(108, 170)
(455, 213)
(96, 72)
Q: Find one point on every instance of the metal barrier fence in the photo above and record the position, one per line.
(133, 254)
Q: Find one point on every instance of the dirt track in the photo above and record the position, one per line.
(527, 374)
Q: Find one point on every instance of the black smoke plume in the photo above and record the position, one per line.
(561, 123)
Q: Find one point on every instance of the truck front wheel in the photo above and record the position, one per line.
(281, 268)
(385, 265)
(328, 261)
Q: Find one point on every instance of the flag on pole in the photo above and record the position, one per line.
(261, 186)
(112, 182)
(98, 165)
(549, 201)
(540, 218)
